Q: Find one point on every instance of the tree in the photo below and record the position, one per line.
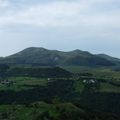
(3, 70)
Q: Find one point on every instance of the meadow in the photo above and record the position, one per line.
(88, 94)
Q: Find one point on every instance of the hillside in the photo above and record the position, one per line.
(46, 57)
(113, 59)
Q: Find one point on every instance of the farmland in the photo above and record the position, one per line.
(87, 94)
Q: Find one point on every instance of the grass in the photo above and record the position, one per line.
(76, 69)
(26, 83)
(101, 72)
(79, 86)
(106, 87)
(35, 110)
(23, 83)
(21, 112)
(29, 80)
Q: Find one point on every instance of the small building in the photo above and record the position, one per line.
(6, 82)
(91, 81)
(84, 81)
(48, 79)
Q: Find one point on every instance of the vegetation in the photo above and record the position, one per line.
(42, 90)
(44, 57)
(64, 98)
(51, 72)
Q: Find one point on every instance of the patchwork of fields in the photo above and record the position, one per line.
(87, 95)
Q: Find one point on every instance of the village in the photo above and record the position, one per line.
(6, 82)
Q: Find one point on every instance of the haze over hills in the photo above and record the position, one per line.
(36, 55)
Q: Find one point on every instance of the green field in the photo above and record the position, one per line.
(62, 98)
(23, 83)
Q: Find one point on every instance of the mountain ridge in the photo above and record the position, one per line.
(108, 57)
(39, 55)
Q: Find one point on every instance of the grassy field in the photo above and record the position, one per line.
(23, 83)
(26, 83)
(44, 111)
(33, 98)
(36, 110)
(106, 87)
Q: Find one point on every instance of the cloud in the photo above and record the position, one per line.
(4, 3)
(60, 13)
(43, 15)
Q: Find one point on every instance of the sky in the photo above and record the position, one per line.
(88, 25)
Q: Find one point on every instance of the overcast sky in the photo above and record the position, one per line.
(89, 25)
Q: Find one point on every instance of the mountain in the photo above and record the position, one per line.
(42, 56)
(113, 59)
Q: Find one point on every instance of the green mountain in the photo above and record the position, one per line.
(113, 59)
(44, 56)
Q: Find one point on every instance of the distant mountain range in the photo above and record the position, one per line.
(42, 56)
